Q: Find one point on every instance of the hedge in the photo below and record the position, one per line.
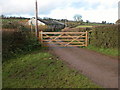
(17, 42)
(105, 36)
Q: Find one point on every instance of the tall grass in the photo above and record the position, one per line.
(105, 51)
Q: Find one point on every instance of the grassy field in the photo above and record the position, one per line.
(39, 69)
(93, 24)
(106, 51)
(83, 26)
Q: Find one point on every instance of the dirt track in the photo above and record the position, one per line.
(101, 69)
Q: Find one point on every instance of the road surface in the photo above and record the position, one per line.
(99, 68)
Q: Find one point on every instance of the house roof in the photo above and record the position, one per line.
(118, 21)
(51, 22)
(33, 21)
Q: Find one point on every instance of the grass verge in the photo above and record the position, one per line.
(84, 26)
(106, 51)
(39, 69)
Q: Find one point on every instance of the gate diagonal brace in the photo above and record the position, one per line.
(61, 43)
(58, 39)
(74, 39)
(55, 38)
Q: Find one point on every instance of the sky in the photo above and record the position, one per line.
(92, 10)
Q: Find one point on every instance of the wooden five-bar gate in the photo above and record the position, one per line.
(64, 38)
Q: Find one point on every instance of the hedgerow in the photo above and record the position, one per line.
(105, 36)
(17, 39)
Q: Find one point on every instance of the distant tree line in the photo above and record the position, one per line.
(48, 18)
(77, 18)
(12, 17)
(103, 22)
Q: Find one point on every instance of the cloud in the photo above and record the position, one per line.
(17, 7)
(91, 15)
(28, 6)
(92, 10)
(86, 5)
(119, 10)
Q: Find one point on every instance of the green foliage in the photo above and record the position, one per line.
(17, 42)
(16, 39)
(105, 36)
(14, 24)
(106, 51)
(84, 26)
(41, 70)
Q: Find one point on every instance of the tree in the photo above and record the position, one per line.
(87, 21)
(77, 17)
(47, 18)
(103, 22)
(2, 16)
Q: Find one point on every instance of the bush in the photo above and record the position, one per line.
(105, 36)
(16, 42)
(16, 38)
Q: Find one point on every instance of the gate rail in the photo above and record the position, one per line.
(64, 38)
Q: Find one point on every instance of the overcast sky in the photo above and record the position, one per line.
(92, 10)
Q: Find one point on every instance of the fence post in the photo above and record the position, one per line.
(86, 39)
(40, 37)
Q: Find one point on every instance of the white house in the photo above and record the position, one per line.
(32, 21)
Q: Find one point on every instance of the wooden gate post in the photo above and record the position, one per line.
(86, 39)
(41, 37)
